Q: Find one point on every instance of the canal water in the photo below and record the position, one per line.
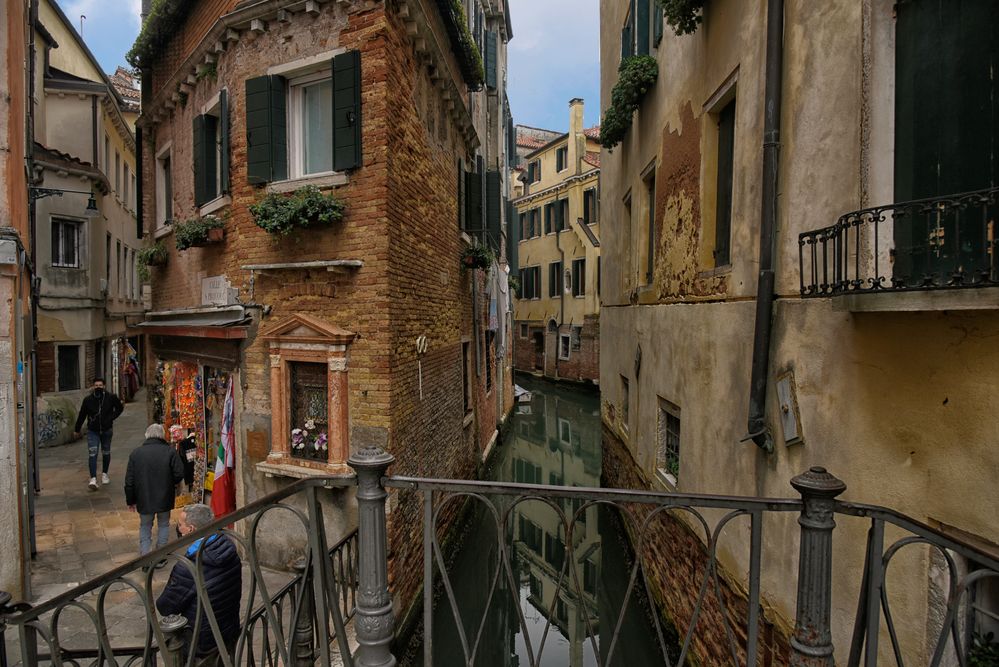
(555, 438)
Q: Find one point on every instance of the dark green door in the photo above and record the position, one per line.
(946, 119)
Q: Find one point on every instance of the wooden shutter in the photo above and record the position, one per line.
(493, 214)
(492, 58)
(723, 207)
(266, 130)
(642, 26)
(473, 202)
(513, 237)
(204, 159)
(587, 205)
(347, 111)
(626, 41)
(548, 218)
(657, 22)
(223, 137)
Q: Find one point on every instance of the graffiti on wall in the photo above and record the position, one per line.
(51, 424)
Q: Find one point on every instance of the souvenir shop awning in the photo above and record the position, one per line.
(227, 323)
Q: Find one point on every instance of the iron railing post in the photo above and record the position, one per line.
(304, 630)
(811, 645)
(4, 610)
(173, 627)
(374, 622)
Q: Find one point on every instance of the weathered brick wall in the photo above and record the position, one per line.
(46, 367)
(583, 364)
(675, 561)
(200, 19)
(90, 365)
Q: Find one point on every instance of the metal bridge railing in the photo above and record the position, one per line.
(303, 620)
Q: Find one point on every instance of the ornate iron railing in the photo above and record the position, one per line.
(302, 621)
(939, 243)
(281, 627)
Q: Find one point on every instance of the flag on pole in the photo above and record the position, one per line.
(224, 489)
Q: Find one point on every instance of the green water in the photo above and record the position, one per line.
(553, 439)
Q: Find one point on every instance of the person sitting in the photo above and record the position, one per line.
(223, 577)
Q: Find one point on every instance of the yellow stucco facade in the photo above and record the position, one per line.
(893, 393)
(557, 202)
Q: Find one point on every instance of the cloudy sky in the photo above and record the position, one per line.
(554, 55)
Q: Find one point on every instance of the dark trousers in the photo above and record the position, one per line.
(102, 440)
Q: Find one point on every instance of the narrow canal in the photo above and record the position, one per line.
(555, 438)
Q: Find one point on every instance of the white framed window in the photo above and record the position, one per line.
(668, 442)
(523, 330)
(564, 431)
(564, 344)
(164, 187)
(310, 125)
(66, 244)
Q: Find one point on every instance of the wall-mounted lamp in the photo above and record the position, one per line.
(41, 193)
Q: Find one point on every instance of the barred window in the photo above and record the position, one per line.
(309, 410)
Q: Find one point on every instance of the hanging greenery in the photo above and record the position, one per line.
(682, 15)
(153, 255)
(462, 41)
(984, 651)
(195, 232)
(636, 76)
(476, 257)
(306, 207)
(163, 22)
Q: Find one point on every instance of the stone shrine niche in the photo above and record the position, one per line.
(309, 399)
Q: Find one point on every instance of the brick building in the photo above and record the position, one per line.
(557, 312)
(364, 331)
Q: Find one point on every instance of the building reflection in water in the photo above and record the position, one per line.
(554, 439)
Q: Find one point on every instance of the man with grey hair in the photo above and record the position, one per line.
(222, 572)
(154, 470)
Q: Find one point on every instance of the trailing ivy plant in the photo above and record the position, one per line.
(636, 76)
(153, 255)
(514, 283)
(194, 232)
(476, 257)
(306, 207)
(472, 67)
(984, 651)
(205, 71)
(162, 23)
(682, 15)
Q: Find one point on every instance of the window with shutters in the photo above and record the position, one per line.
(650, 228)
(555, 279)
(668, 445)
(66, 243)
(534, 171)
(562, 215)
(591, 208)
(579, 277)
(126, 197)
(117, 173)
(466, 377)
(310, 125)
(211, 153)
(723, 196)
(562, 158)
(531, 282)
(164, 187)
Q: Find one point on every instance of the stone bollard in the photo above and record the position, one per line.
(373, 621)
(173, 627)
(304, 629)
(811, 645)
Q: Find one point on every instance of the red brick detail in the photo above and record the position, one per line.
(582, 365)
(46, 369)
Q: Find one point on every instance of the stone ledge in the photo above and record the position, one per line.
(971, 298)
(273, 469)
(323, 181)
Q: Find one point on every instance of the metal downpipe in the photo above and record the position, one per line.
(759, 432)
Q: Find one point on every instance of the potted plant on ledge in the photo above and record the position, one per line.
(281, 214)
(154, 255)
(476, 257)
(197, 232)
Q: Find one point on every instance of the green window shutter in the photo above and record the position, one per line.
(642, 28)
(548, 218)
(347, 111)
(204, 159)
(473, 202)
(657, 22)
(266, 130)
(493, 214)
(587, 204)
(223, 137)
(513, 236)
(491, 57)
(626, 40)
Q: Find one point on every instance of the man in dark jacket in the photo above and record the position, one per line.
(223, 576)
(154, 471)
(100, 409)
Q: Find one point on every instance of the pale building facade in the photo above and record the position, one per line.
(891, 391)
(556, 316)
(84, 146)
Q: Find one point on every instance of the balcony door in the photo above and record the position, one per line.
(946, 120)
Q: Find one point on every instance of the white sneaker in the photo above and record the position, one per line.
(93, 483)
(105, 479)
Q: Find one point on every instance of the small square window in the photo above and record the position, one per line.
(562, 159)
(564, 344)
(668, 441)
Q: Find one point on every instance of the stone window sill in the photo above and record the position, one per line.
(164, 230)
(215, 205)
(295, 471)
(717, 271)
(467, 421)
(321, 181)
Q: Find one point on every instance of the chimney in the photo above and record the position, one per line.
(576, 140)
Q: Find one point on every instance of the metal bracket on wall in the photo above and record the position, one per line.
(790, 418)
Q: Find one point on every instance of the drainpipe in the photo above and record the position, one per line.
(561, 298)
(759, 432)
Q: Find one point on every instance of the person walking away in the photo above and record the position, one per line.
(100, 409)
(223, 577)
(151, 479)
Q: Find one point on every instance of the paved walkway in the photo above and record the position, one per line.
(81, 534)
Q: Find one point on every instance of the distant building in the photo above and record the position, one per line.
(556, 315)
(87, 259)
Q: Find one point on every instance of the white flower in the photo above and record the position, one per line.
(311, 424)
(296, 431)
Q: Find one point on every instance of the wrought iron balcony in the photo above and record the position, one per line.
(304, 621)
(947, 242)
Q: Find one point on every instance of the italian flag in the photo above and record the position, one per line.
(224, 489)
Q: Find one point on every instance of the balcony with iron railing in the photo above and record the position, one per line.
(939, 244)
(344, 588)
